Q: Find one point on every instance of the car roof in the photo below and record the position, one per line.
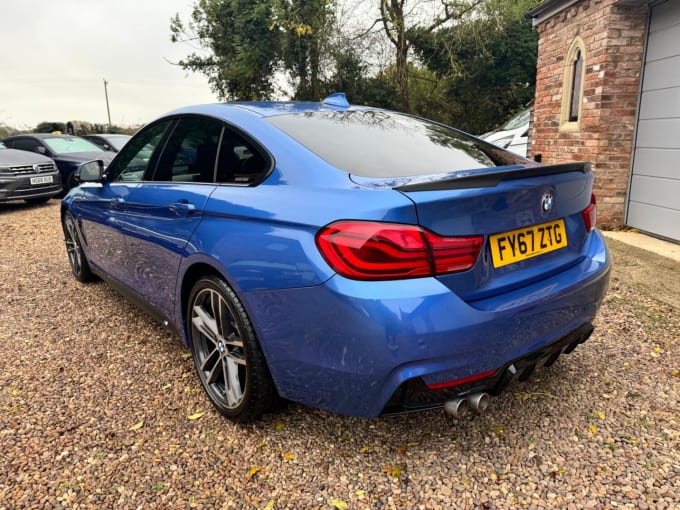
(41, 135)
(334, 102)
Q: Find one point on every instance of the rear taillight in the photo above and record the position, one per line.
(364, 250)
(590, 214)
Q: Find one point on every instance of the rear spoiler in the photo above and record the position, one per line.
(493, 178)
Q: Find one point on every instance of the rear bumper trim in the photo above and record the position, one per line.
(415, 395)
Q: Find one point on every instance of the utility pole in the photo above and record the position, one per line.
(106, 94)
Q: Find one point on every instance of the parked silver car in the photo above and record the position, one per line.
(26, 176)
(513, 135)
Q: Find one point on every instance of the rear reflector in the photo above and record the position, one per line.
(458, 382)
(365, 250)
(590, 214)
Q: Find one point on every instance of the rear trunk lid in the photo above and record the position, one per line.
(530, 217)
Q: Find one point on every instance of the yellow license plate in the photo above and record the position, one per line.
(525, 243)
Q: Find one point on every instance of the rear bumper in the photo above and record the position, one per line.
(350, 346)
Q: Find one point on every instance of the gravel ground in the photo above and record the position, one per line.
(97, 401)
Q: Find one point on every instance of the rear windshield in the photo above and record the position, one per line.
(388, 144)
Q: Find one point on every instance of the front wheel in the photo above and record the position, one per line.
(226, 353)
(76, 256)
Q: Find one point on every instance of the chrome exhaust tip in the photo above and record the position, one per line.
(479, 402)
(458, 407)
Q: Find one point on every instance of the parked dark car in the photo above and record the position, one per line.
(350, 258)
(108, 142)
(30, 177)
(68, 152)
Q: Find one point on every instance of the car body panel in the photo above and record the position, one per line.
(333, 342)
(347, 345)
(18, 172)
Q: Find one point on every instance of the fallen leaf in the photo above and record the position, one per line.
(288, 456)
(363, 449)
(675, 373)
(280, 426)
(339, 504)
(360, 493)
(165, 387)
(600, 415)
(270, 505)
(592, 428)
(498, 429)
(137, 425)
(186, 355)
(521, 396)
(195, 416)
(253, 471)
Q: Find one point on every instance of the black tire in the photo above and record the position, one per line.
(76, 256)
(226, 352)
(37, 200)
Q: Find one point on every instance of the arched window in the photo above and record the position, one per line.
(575, 103)
(572, 97)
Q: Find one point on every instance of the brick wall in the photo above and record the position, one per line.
(614, 43)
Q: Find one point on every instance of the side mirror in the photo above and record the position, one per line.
(92, 171)
(40, 150)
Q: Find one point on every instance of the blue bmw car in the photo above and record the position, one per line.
(350, 258)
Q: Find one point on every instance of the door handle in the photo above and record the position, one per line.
(183, 208)
(116, 202)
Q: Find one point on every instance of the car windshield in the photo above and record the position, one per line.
(372, 143)
(519, 120)
(117, 141)
(69, 144)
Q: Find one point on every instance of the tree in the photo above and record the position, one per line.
(49, 127)
(487, 65)
(308, 25)
(351, 75)
(424, 16)
(240, 46)
(245, 43)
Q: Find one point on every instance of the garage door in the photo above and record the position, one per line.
(654, 198)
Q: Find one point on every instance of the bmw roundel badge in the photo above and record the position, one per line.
(547, 202)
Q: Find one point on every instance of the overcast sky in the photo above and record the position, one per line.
(55, 55)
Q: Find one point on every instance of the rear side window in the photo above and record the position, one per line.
(24, 144)
(387, 144)
(202, 149)
(191, 152)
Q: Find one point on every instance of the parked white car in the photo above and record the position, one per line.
(513, 135)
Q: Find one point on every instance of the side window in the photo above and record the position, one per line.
(135, 158)
(239, 161)
(191, 152)
(25, 144)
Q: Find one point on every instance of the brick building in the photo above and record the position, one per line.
(608, 91)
